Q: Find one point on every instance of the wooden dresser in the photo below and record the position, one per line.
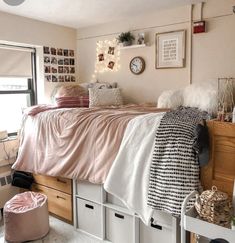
(59, 193)
(220, 170)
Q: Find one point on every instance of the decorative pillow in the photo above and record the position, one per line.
(105, 97)
(67, 102)
(70, 91)
(202, 96)
(170, 99)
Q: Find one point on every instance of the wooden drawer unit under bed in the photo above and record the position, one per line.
(59, 193)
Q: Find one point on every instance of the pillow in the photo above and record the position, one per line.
(170, 99)
(70, 91)
(202, 96)
(98, 85)
(67, 102)
(104, 97)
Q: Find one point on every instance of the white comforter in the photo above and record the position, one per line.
(128, 178)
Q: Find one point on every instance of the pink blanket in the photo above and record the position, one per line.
(76, 143)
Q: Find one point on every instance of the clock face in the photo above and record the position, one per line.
(137, 65)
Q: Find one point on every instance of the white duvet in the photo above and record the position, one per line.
(128, 177)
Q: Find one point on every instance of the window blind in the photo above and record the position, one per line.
(15, 61)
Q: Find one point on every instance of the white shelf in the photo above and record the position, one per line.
(203, 228)
(132, 46)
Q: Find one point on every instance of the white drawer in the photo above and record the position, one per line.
(163, 218)
(112, 199)
(155, 234)
(90, 191)
(89, 217)
(119, 227)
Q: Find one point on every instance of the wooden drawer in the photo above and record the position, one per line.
(59, 203)
(57, 183)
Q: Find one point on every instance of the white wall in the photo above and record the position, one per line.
(16, 29)
(23, 30)
(212, 52)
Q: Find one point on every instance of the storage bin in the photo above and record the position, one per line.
(119, 227)
(89, 217)
(90, 191)
(155, 234)
(215, 207)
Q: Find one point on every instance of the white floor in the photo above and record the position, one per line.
(60, 232)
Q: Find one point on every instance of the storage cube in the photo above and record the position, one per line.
(90, 191)
(119, 227)
(89, 217)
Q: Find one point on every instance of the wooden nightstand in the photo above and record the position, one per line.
(59, 193)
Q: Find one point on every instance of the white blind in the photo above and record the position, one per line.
(15, 61)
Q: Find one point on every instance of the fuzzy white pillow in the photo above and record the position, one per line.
(105, 97)
(170, 99)
(202, 96)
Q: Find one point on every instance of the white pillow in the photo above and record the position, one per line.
(202, 96)
(170, 99)
(105, 97)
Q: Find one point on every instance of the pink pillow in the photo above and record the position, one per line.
(67, 102)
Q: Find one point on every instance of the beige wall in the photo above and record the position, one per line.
(36, 33)
(212, 52)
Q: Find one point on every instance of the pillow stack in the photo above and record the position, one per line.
(71, 96)
(88, 95)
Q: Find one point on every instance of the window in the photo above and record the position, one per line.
(17, 86)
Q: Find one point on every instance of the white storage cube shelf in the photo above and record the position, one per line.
(104, 216)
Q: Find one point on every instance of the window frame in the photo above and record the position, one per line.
(32, 82)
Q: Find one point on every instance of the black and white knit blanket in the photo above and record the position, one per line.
(174, 171)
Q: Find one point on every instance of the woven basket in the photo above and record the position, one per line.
(215, 207)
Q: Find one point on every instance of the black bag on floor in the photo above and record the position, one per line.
(22, 179)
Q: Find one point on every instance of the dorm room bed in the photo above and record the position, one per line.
(37, 154)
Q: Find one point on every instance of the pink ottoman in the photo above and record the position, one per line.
(26, 217)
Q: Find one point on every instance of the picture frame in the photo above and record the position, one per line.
(170, 49)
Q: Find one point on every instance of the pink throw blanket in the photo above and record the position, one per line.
(76, 143)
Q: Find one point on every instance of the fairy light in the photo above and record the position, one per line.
(105, 59)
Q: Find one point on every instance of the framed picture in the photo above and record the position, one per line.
(170, 49)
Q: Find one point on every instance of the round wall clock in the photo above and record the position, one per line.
(137, 65)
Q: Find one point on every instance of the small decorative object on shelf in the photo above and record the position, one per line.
(125, 38)
(215, 207)
(140, 39)
(226, 93)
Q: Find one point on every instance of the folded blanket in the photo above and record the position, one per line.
(129, 175)
(174, 170)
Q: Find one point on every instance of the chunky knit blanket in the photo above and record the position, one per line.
(174, 171)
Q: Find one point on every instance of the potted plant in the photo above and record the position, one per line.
(125, 38)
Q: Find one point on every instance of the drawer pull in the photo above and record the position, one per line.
(119, 216)
(62, 181)
(89, 206)
(156, 226)
(59, 197)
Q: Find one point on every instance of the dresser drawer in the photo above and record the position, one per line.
(59, 203)
(57, 183)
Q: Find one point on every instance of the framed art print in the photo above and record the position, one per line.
(170, 49)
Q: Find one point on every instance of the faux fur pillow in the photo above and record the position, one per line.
(202, 96)
(70, 91)
(105, 97)
(170, 99)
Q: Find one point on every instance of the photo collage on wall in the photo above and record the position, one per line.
(59, 64)
(108, 55)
